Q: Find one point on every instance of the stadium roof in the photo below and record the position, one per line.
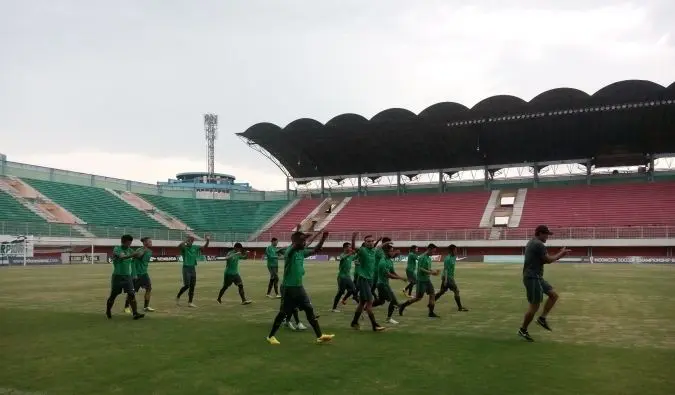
(618, 125)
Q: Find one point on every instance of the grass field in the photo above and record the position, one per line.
(614, 333)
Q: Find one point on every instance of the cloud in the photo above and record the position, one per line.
(135, 77)
(149, 169)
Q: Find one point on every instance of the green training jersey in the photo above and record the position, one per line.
(345, 267)
(379, 256)
(190, 254)
(366, 266)
(423, 263)
(272, 256)
(385, 267)
(122, 266)
(294, 266)
(232, 265)
(141, 264)
(412, 262)
(449, 266)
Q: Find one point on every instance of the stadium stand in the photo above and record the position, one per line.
(15, 219)
(96, 206)
(430, 212)
(218, 215)
(294, 216)
(12, 210)
(643, 204)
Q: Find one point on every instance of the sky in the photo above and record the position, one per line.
(119, 88)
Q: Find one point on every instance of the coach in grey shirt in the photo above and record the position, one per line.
(536, 257)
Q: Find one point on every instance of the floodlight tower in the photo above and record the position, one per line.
(211, 132)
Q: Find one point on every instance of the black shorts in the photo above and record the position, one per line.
(412, 277)
(189, 275)
(450, 285)
(425, 288)
(346, 284)
(365, 288)
(143, 281)
(293, 298)
(385, 293)
(274, 272)
(230, 279)
(120, 283)
(535, 288)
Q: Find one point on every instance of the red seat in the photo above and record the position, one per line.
(601, 206)
(411, 212)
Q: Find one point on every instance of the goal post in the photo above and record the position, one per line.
(15, 249)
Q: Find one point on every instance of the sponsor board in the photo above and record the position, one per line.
(503, 258)
(404, 258)
(318, 258)
(36, 260)
(73, 257)
(640, 260)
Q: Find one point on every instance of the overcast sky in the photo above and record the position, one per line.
(118, 88)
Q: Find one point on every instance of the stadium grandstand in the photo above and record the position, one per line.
(596, 168)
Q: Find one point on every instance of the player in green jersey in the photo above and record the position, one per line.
(272, 257)
(231, 275)
(344, 278)
(366, 269)
(140, 275)
(379, 255)
(386, 271)
(190, 254)
(293, 294)
(123, 257)
(424, 285)
(448, 279)
(411, 271)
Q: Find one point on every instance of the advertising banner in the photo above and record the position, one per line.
(639, 260)
(317, 258)
(36, 260)
(73, 257)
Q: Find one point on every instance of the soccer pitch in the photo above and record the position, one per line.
(614, 333)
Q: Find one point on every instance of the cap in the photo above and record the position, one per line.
(542, 229)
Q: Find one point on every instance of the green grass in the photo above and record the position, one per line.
(614, 333)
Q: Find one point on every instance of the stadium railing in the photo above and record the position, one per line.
(70, 231)
(109, 232)
(629, 232)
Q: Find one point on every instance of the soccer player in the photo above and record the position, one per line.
(293, 294)
(410, 271)
(379, 255)
(366, 269)
(448, 279)
(344, 278)
(140, 275)
(424, 285)
(123, 257)
(231, 275)
(190, 253)
(536, 257)
(287, 322)
(384, 291)
(272, 256)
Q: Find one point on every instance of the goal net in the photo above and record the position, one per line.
(13, 249)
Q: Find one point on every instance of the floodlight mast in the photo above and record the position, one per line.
(211, 133)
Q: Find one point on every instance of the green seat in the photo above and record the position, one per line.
(98, 207)
(228, 219)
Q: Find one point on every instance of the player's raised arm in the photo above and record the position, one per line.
(318, 247)
(552, 258)
(354, 240)
(208, 240)
(312, 238)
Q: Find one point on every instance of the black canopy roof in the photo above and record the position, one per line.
(624, 119)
